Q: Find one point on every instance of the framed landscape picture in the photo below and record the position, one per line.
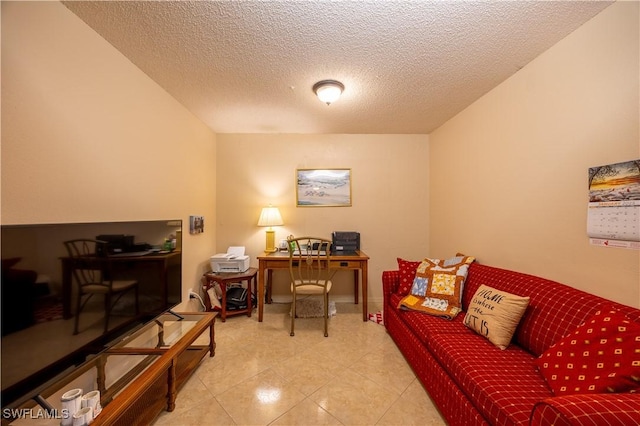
(323, 187)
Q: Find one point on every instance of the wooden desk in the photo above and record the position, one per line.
(159, 262)
(280, 260)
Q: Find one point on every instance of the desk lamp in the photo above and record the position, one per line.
(270, 216)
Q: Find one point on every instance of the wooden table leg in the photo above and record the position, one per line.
(356, 285)
(223, 308)
(212, 338)
(171, 382)
(365, 284)
(101, 379)
(261, 270)
(250, 293)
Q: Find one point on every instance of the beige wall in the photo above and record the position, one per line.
(86, 136)
(509, 174)
(389, 194)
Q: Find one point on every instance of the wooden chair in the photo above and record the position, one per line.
(309, 272)
(91, 268)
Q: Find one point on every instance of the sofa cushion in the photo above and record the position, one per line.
(407, 270)
(554, 311)
(424, 326)
(495, 314)
(504, 385)
(601, 355)
(588, 409)
(437, 286)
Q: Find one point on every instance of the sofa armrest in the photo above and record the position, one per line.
(390, 283)
(593, 409)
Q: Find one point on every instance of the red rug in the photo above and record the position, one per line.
(47, 310)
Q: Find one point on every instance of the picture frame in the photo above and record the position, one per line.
(196, 224)
(323, 187)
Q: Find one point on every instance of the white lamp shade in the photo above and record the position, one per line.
(270, 216)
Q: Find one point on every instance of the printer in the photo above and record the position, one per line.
(234, 260)
(345, 241)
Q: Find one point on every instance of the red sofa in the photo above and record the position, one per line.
(472, 382)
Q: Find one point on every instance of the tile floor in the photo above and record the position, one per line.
(262, 376)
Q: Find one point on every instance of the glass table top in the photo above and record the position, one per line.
(162, 332)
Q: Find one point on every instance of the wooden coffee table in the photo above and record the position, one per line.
(139, 376)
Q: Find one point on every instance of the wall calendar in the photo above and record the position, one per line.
(613, 218)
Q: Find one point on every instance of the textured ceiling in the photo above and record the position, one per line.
(408, 66)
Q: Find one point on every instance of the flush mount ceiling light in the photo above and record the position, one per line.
(328, 91)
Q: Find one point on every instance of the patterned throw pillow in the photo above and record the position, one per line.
(601, 355)
(437, 286)
(407, 274)
(495, 314)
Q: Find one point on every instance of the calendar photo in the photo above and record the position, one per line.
(615, 182)
(614, 204)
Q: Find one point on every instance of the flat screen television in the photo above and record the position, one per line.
(38, 295)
